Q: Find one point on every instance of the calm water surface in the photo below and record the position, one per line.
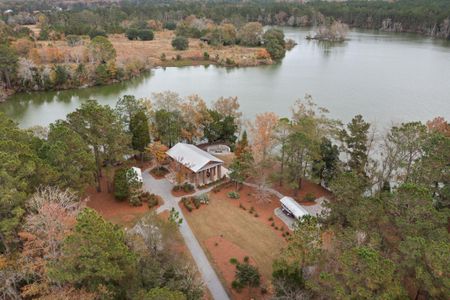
(385, 77)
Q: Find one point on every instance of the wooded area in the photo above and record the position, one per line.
(387, 221)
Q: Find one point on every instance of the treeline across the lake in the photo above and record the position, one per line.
(429, 17)
(384, 234)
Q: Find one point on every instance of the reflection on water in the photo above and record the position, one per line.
(385, 77)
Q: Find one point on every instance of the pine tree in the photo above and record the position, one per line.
(95, 256)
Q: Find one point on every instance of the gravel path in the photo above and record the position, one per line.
(163, 188)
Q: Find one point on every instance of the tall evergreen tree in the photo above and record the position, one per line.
(140, 135)
(95, 256)
(355, 140)
(101, 128)
(8, 64)
(69, 156)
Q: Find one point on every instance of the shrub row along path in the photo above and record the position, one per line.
(163, 188)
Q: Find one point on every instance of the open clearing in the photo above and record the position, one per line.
(117, 212)
(226, 231)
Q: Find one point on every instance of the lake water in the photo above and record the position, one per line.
(385, 77)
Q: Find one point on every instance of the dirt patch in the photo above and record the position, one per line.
(221, 251)
(308, 187)
(118, 212)
(307, 203)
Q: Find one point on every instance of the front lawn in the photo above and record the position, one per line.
(226, 231)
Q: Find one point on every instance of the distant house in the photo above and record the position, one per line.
(8, 12)
(290, 207)
(199, 166)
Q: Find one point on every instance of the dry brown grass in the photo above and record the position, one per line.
(150, 52)
(221, 218)
(34, 28)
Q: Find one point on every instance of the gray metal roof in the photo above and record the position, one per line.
(191, 156)
(296, 209)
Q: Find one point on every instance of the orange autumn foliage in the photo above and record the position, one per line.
(262, 54)
(440, 125)
(262, 132)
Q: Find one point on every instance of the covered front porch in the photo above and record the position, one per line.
(208, 174)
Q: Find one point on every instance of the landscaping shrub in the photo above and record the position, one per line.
(159, 171)
(233, 261)
(180, 43)
(196, 202)
(271, 219)
(246, 275)
(151, 199)
(144, 196)
(256, 215)
(135, 201)
(309, 197)
(121, 184)
(203, 198)
(236, 285)
(187, 187)
(233, 195)
(186, 203)
(225, 183)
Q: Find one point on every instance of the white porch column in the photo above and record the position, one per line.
(219, 171)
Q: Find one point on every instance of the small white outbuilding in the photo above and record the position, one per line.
(290, 207)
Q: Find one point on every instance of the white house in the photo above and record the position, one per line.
(199, 167)
(290, 207)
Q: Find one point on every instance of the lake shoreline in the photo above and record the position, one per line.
(145, 56)
(8, 93)
(370, 74)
